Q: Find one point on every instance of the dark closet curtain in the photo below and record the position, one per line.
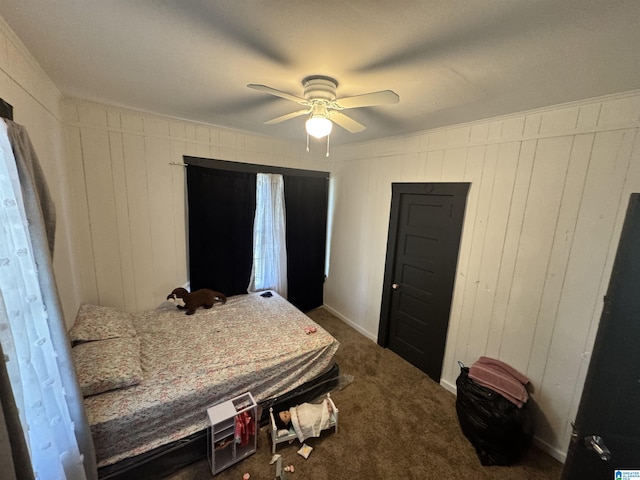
(306, 202)
(221, 210)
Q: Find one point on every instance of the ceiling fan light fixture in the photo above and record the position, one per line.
(324, 108)
(318, 126)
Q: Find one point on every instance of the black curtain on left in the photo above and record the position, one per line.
(221, 209)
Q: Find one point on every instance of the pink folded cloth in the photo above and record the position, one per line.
(501, 378)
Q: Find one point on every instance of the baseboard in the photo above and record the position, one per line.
(548, 449)
(449, 386)
(353, 325)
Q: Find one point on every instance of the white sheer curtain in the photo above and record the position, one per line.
(33, 356)
(269, 271)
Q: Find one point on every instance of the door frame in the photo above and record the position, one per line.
(422, 188)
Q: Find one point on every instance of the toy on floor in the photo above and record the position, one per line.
(277, 459)
(303, 421)
(200, 298)
(305, 450)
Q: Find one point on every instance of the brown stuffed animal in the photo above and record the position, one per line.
(200, 298)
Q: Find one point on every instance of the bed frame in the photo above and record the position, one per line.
(165, 460)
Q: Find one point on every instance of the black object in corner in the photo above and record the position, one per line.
(499, 431)
(6, 110)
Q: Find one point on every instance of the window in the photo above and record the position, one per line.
(269, 270)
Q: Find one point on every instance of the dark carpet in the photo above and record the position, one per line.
(394, 423)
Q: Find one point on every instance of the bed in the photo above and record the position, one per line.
(158, 371)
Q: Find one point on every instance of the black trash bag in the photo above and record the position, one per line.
(499, 431)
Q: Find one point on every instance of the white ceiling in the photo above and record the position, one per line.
(450, 61)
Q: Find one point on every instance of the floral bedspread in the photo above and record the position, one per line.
(191, 362)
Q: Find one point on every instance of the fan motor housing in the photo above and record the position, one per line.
(320, 87)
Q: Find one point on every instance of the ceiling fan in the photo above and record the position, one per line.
(322, 106)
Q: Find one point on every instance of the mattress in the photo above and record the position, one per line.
(253, 343)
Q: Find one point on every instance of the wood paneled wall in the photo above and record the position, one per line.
(549, 190)
(130, 199)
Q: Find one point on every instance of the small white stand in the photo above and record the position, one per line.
(224, 449)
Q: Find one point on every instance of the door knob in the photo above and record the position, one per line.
(595, 443)
(395, 286)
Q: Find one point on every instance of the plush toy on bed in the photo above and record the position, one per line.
(200, 298)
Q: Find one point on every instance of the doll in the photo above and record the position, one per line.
(308, 419)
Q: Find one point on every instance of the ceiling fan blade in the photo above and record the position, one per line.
(288, 116)
(277, 93)
(383, 97)
(349, 124)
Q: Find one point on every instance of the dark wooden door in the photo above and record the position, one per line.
(422, 254)
(610, 404)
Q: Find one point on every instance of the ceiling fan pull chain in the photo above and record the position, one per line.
(327, 144)
(307, 142)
